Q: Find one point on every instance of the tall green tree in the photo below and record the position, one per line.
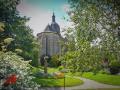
(96, 32)
(15, 27)
(98, 19)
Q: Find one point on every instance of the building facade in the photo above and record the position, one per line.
(50, 40)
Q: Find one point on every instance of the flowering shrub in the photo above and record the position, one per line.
(11, 63)
(18, 51)
(10, 80)
(8, 40)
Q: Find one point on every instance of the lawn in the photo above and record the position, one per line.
(55, 82)
(103, 78)
(50, 82)
(52, 70)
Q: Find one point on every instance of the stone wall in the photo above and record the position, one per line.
(53, 43)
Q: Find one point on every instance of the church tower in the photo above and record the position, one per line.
(50, 40)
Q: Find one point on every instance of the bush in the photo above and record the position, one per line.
(54, 61)
(115, 67)
(87, 74)
(60, 68)
(12, 63)
(104, 72)
(115, 64)
(114, 70)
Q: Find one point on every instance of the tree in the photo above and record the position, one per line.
(15, 27)
(8, 14)
(15, 73)
(96, 28)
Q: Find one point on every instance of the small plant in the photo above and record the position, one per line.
(60, 68)
(54, 62)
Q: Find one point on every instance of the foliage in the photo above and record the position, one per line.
(8, 40)
(18, 51)
(60, 68)
(77, 61)
(115, 67)
(104, 71)
(35, 53)
(17, 37)
(54, 61)
(15, 27)
(114, 70)
(95, 34)
(115, 63)
(8, 15)
(12, 63)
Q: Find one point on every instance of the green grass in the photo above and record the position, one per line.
(103, 78)
(74, 74)
(69, 81)
(51, 70)
(52, 82)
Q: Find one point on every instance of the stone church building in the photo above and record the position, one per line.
(50, 40)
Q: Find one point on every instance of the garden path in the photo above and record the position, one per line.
(88, 84)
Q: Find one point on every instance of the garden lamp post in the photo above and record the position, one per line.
(64, 81)
(64, 73)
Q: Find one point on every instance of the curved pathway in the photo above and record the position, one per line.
(88, 84)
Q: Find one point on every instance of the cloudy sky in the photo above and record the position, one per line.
(40, 13)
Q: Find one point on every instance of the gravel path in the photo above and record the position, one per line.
(88, 84)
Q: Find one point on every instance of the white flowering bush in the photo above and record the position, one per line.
(12, 63)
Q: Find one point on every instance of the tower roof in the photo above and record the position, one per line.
(53, 17)
(54, 26)
(48, 28)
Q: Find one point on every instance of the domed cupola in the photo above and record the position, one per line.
(54, 26)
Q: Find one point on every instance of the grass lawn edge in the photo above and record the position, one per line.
(70, 82)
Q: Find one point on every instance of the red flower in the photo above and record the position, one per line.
(10, 80)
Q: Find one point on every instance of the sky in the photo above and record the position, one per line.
(40, 13)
